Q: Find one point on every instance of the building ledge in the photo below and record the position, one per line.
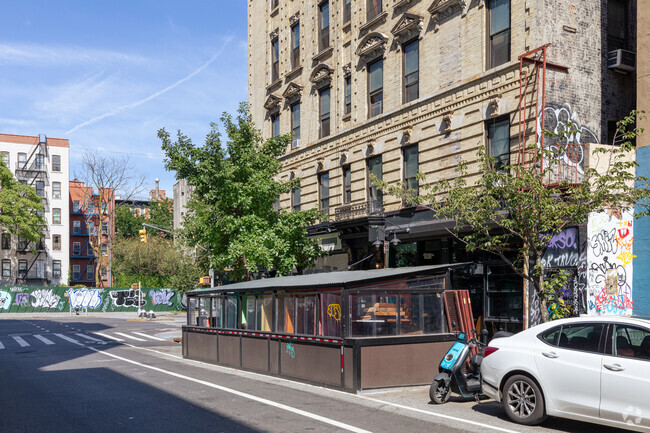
(323, 54)
(294, 73)
(376, 20)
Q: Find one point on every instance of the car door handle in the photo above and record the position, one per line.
(613, 367)
(551, 355)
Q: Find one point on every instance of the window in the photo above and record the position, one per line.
(347, 11)
(104, 249)
(411, 71)
(347, 184)
(75, 206)
(90, 251)
(581, 337)
(56, 162)
(40, 162)
(499, 32)
(76, 248)
(274, 4)
(56, 216)
(275, 124)
(104, 273)
(275, 60)
(295, 46)
(56, 242)
(499, 142)
(103, 206)
(6, 268)
(40, 188)
(90, 272)
(22, 159)
(6, 241)
(56, 189)
(631, 342)
(411, 167)
(76, 271)
(104, 228)
(375, 195)
(347, 107)
(4, 156)
(91, 207)
(56, 268)
(616, 24)
(295, 198)
(22, 243)
(324, 96)
(91, 227)
(324, 192)
(76, 227)
(375, 87)
(295, 125)
(22, 268)
(373, 8)
(323, 26)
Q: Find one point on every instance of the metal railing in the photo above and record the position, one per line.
(351, 211)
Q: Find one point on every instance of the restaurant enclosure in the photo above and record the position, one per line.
(350, 330)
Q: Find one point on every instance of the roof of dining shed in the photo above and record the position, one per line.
(330, 279)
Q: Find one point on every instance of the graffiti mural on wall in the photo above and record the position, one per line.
(5, 300)
(562, 250)
(610, 258)
(128, 298)
(45, 298)
(161, 297)
(85, 298)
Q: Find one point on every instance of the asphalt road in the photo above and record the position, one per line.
(108, 374)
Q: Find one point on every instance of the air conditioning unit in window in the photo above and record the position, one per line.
(621, 60)
(295, 143)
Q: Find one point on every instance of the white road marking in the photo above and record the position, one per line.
(66, 338)
(129, 336)
(43, 339)
(240, 394)
(148, 336)
(88, 337)
(2, 346)
(110, 337)
(20, 341)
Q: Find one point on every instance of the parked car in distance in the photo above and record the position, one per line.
(593, 369)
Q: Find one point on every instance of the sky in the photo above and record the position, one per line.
(107, 75)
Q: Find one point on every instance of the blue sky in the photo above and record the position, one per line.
(108, 74)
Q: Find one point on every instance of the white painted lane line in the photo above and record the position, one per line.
(129, 336)
(66, 338)
(110, 337)
(20, 341)
(88, 337)
(148, 336)
(43, 339)
(240, 394)
(2, 346)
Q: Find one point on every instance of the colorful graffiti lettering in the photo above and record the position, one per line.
(334, 311)
(605, 304)
(161, 297)
(128, 298)
(290, 350)
(45, 298)
(5, 300)
(85, 298)
(22, 298)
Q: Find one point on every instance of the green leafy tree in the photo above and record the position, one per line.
(126, 223)
(161, 214)
(512, 212)
(20, 207)
(231, 213)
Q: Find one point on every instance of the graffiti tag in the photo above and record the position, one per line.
(22, 298)
(161, 297)
(290, 350)
(85, 298)
(5, 299)
(334, 311)
(45, 298)
(128, 298)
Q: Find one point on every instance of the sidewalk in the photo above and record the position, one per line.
(176, 316)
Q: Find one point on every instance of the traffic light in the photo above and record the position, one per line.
(143, 236)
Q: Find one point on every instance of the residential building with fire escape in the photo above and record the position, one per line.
(43, 163)
(92, 225)
(397, 87)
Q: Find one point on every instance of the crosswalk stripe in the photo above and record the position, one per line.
(66, 338)
(2, 346)
(20, 341)
(149, 336)
(43, 339)
(88, 337)
(110, 337)
(129, 336)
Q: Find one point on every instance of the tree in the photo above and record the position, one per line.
(513, 212)
(21, 209)
(127, 224)
(231, 213)
(105, 177)
(161, 214)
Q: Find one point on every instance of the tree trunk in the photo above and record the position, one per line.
(540, 289)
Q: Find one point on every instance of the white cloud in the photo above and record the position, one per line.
(52, 55)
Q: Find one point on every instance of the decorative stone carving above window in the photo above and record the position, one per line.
(347, 69)
(294, 18)
(400, 3)
(446, 122)
(493, 106)
(320, 166)
(292, 93)
(272, 103)
(344, 158)
(372, 46)
(370, 150)
(274, 34)
(408, 27)
(443, 8)
(321, 76)
(406, 136)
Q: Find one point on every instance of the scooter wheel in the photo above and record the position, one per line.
(439, 392)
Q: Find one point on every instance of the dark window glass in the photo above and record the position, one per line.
(22, 160)
(56, 163)
(499, 142)
(22, 268)
(348, 95)
(56, 216)
(347, 11)
(275, 60)
(616, 25)
(374, 8)
(275, 124)
(274, 4)
(347, 184)
(56, 242)
(295, 198)
(56, 189)
(324, 192)
(40, 188)
(411, 71)
(584, 337)
(499, 29)
(295, 46)
(324, 112)
(76, 248)
(6, 241)
(551, 336)
(56, 268)
(6, 268)
(295, 125)
(76, 271)
(40, 162)
(631, 342)
(376, 87)
(375, 195)
(411, 167)
(324, 25)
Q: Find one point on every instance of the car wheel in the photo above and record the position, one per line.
(523, 400)
(439, 392)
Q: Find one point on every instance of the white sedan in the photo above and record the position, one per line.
(594, 369)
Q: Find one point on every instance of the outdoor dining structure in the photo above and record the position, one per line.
(351, 330)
